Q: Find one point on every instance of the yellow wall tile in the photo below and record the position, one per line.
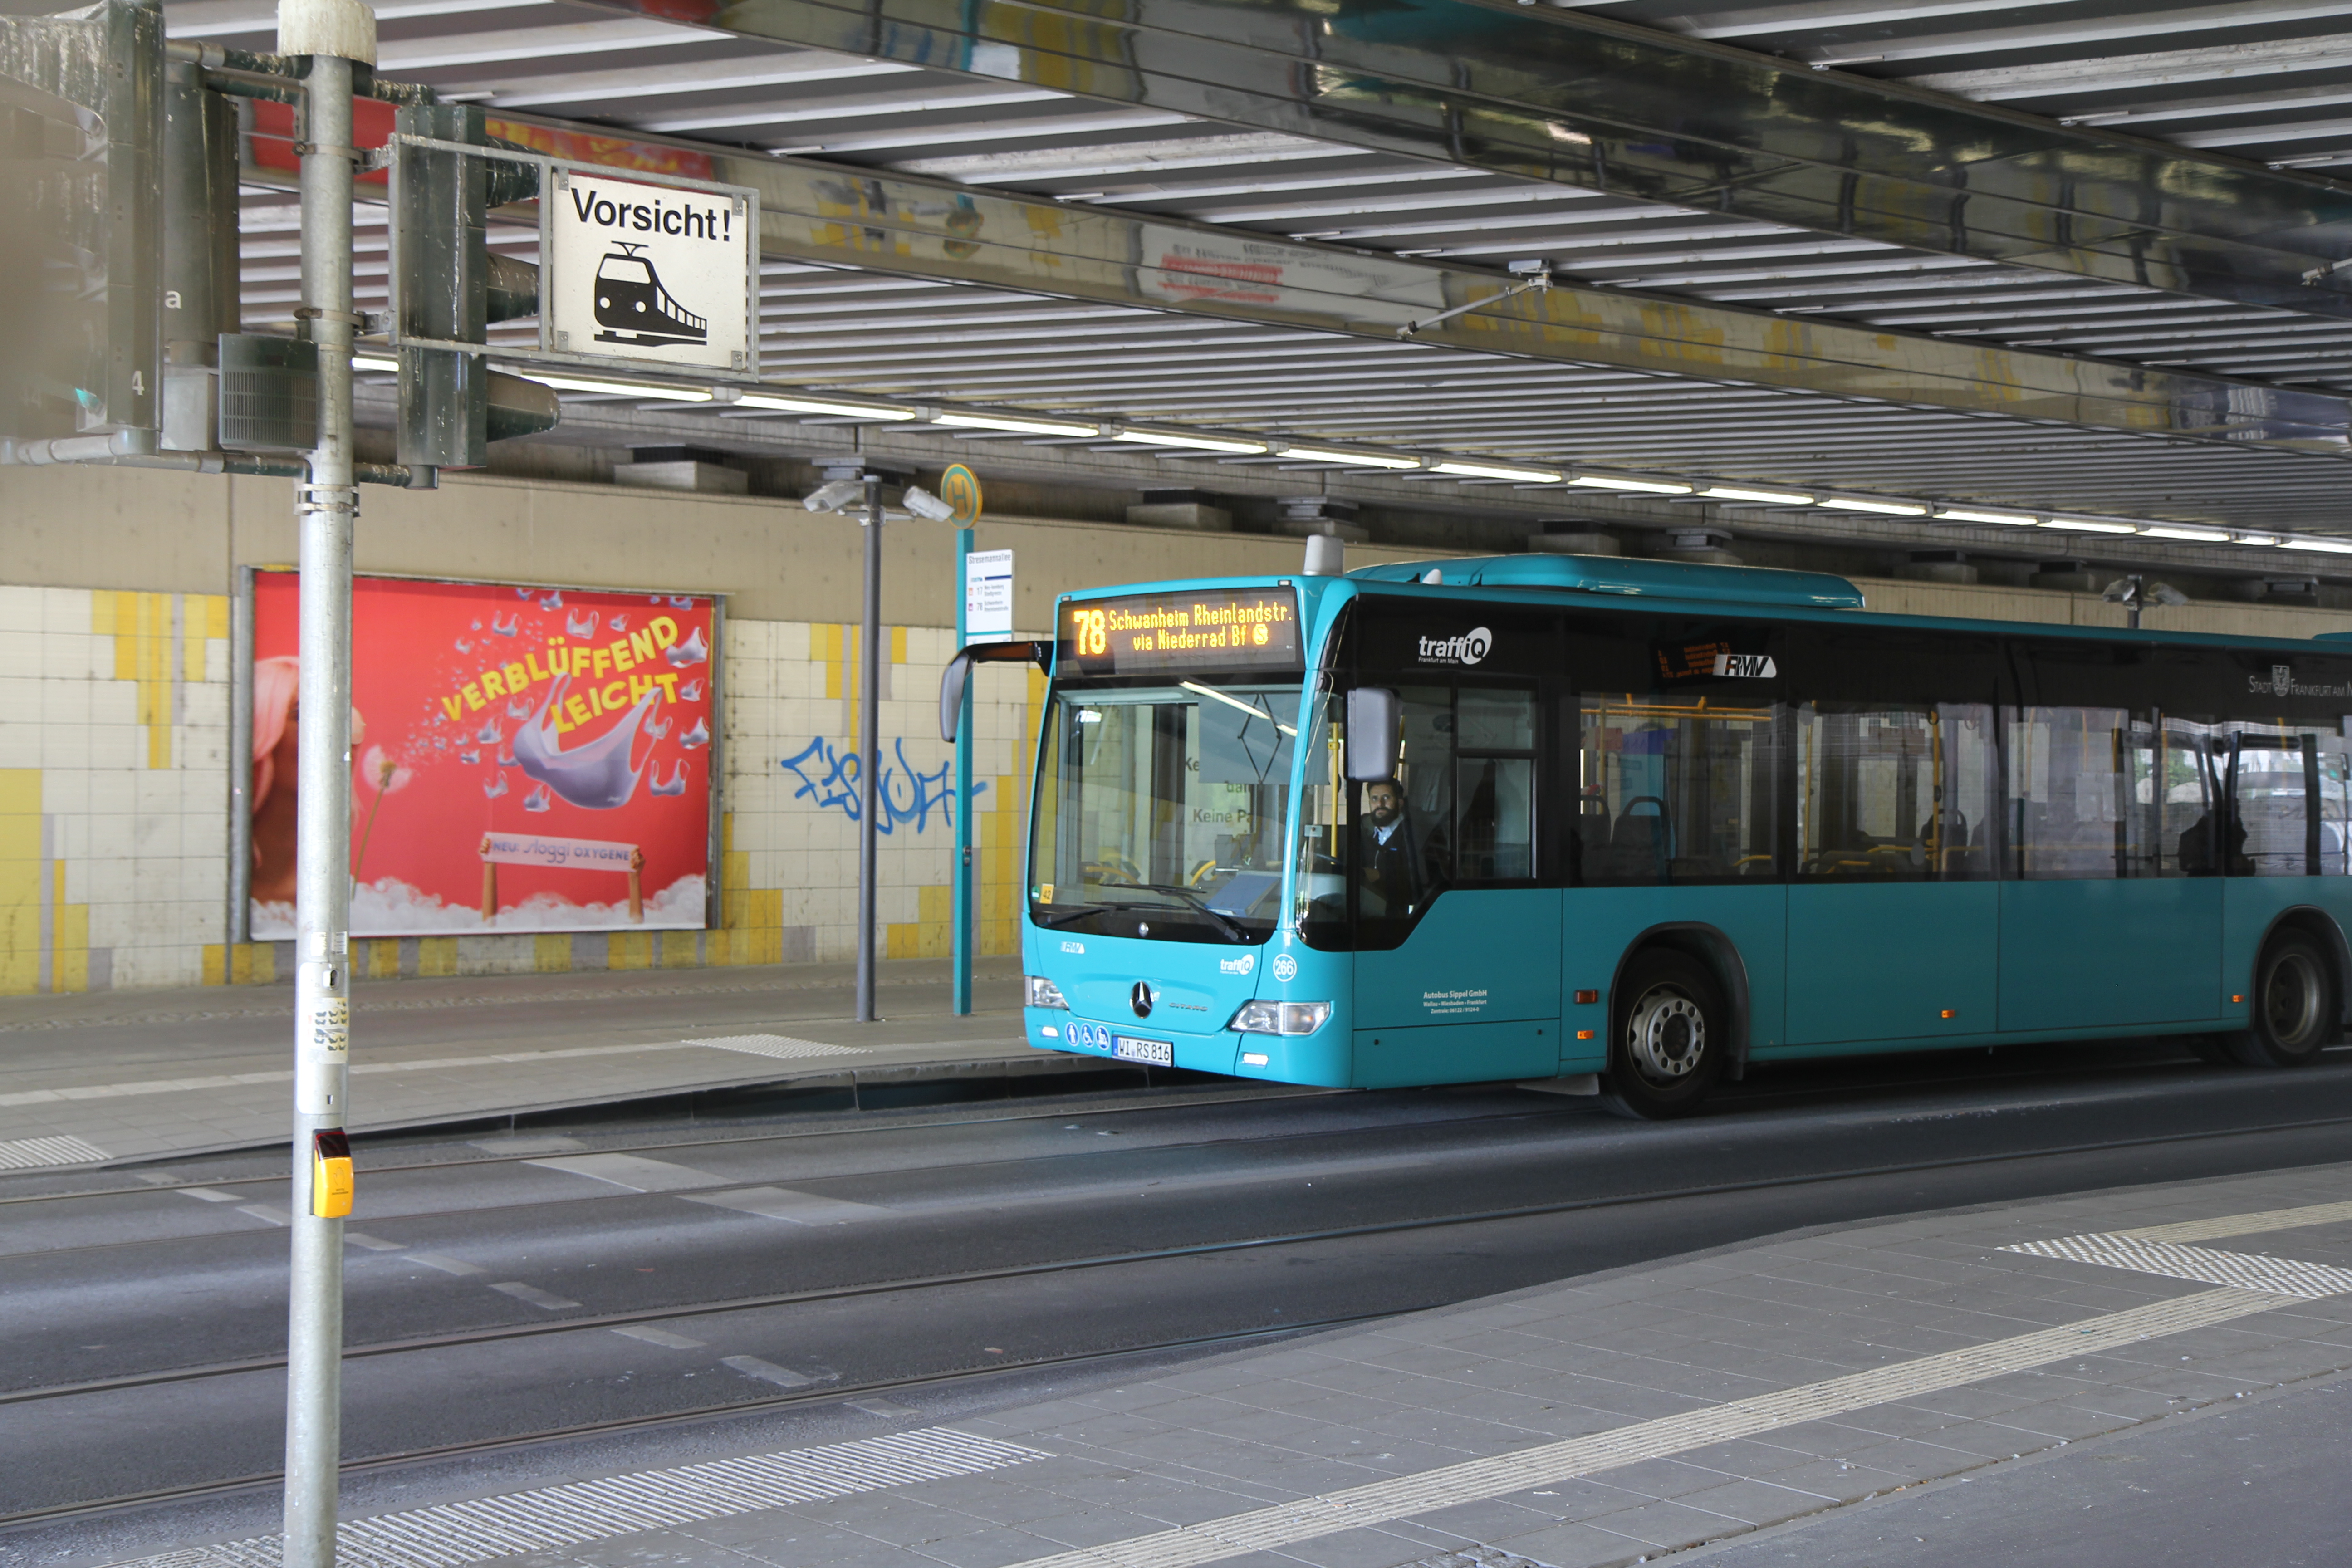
(437, 956)
(20, 795)
(216, 964)
(552, 954)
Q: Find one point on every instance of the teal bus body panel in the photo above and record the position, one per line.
(1884, 960)
(2137, 951)
(1456, 1053)
(1472, 995)
(1480, 955)
(1603, 923)
(2250, 906)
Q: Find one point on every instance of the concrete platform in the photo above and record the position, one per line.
(1604, 1421)
(132, 1076)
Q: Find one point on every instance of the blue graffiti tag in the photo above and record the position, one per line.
(828, 775)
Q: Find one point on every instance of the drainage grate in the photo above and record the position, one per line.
(554, 1519)
(31, 1153)
(776, 1045)
(2206, 1265)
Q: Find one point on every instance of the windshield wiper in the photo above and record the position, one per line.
(1053, 918)
(1195, 900)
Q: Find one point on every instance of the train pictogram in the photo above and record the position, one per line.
(632, 307)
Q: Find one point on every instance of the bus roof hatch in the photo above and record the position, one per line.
(1611, 574)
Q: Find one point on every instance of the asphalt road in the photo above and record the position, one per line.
(463, 1241)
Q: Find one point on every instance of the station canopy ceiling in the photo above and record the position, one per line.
(2057, 255)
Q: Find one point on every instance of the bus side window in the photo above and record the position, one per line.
(1495, 786)
(2069, 783)
(1894, 791)
(1674, 789)
(1425, 769)
(2288, 788)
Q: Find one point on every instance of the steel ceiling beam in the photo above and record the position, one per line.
(1564, 96)
(864, 219)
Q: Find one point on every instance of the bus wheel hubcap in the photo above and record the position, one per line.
(1668, 1034)
(2293, 1002)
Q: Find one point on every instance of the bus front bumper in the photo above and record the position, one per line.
(1322, 1057)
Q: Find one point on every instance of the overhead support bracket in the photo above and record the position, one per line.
(857, 218)
(1566, 97)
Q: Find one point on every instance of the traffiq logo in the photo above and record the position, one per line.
(1469, 648)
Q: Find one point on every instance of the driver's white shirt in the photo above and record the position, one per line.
(1385, 833)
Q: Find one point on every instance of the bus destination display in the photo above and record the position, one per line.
(1221, 628)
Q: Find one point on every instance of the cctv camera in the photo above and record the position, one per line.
(924, 505)
(834, 496)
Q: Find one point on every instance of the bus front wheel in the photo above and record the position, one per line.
(2294, 1006)
(1672, 1035)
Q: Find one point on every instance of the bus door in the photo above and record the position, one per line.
(1892, 911)
(2288, 786)
(1457, 970)
(2119, 825)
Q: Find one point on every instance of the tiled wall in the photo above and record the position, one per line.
(114, 786)
(114, 796)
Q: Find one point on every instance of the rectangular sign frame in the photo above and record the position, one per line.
(1128, 634)
(240, 923)
(553, 173)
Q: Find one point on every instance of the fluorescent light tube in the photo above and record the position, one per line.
(1605, 482)
(1024, 425)
(1891, 508)
(1495, 471)
(821, 405)
(1355, 460)
(2264, 539)
(1198, 443)
(1779, 498)
(2084, 525)
(2201, 535)
(372, 362)
(2006, 518)
(2326, 546)
(620, 388)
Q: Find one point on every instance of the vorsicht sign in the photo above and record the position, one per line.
(650, 274)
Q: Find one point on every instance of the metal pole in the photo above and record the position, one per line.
(324, 505)
(869, 744)
(961, 914)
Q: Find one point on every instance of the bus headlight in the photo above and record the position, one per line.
(1280, 1017)
(1044, 993)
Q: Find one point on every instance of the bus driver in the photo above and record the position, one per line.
(1392, 856)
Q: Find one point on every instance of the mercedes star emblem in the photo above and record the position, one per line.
(1140, 999)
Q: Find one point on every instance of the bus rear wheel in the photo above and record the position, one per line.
(1672, 1034)
(2294, 1006)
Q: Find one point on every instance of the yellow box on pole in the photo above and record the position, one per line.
(330, 1174)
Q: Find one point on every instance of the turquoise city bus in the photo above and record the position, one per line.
(1533, 817)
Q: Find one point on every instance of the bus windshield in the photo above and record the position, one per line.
(1161, 809)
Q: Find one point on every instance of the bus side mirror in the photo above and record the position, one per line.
(952, 681)
(958, 674)
(1375, 734)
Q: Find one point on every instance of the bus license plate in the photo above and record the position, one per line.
(1159, 1053)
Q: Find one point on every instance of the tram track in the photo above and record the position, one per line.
(608, 1320)
(1527, 1113)
(1747, 1100)
(2253, 1140)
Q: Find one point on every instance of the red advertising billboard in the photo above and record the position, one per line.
(522, 759)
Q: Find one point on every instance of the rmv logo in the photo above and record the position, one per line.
(1469, 648)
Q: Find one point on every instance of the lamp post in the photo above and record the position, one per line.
(869, 741)
(332, 34)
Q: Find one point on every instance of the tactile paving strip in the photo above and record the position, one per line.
(2206, 1265)
(777, 1045)
(34, 1153)
(551, 1518)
